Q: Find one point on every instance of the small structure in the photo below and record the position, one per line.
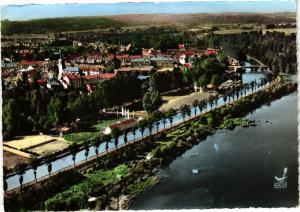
(122, 125)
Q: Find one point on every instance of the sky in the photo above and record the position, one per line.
(35, 11)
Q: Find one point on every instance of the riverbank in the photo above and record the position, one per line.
(183, 138)
(148, 156)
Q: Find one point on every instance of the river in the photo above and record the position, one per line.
(236, 168)
(66, 161)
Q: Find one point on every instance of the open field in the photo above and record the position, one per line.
(39, 144)
(287, 31)
(176, 101)
(77, 24)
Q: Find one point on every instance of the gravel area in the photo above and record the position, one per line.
(176, 101)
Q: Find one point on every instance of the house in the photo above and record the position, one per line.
(23, 63)
(95, 79)
(134, 57)
(140, 70)
(210, 51)
(161, 61)
(140, 62)
(72, 80)
(122, 125)
(181, 47)
(70, 69)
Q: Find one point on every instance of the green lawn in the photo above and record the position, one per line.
(80, 137)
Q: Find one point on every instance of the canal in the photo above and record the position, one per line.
(67, 161)
(235, 168)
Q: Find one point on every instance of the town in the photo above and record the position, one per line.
(91, 116)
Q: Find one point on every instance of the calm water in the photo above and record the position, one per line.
(236, 168)
(66, 161)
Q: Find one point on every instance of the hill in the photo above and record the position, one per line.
(57, 25)
(116, 21)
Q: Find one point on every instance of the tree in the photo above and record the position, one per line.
(133, 130)
(150, 127)
(11, 121)
(87, 149)
(116, 132)
(185, 110)
(125, 135)
(211, 101)
(170, 113)
(48, 161)
(164, 121)
(215, 80)
(34, 162)
(74, 148)
(142, 125)
(20, 169)
(55, 112)
(157, 116)
(151, 100)
(195, 105)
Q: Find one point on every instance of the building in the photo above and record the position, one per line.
(140, 62)
(72, 70)
(122, 125)
(161, 62)
(210, 51)
(141, 70)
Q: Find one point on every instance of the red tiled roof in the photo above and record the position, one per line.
(124, 123)
(135, 56)
(102, 76)
(122, 56)
(28, 62)
(210, 51)
(189, 53)
(41, 81)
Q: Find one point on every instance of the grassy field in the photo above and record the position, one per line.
(82, 136)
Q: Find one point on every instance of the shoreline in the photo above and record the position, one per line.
(200, 140)
(163, 150)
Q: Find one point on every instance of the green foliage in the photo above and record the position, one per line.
(231, 123)
(79, 137)
(215, 80)
(167, 80)
(55, 112)
(76, 196)
(57, 25)
(137, 188)
(151, 100)
(10, 118)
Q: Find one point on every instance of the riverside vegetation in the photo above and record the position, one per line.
(118, 178)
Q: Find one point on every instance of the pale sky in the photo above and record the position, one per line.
(34, 11)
